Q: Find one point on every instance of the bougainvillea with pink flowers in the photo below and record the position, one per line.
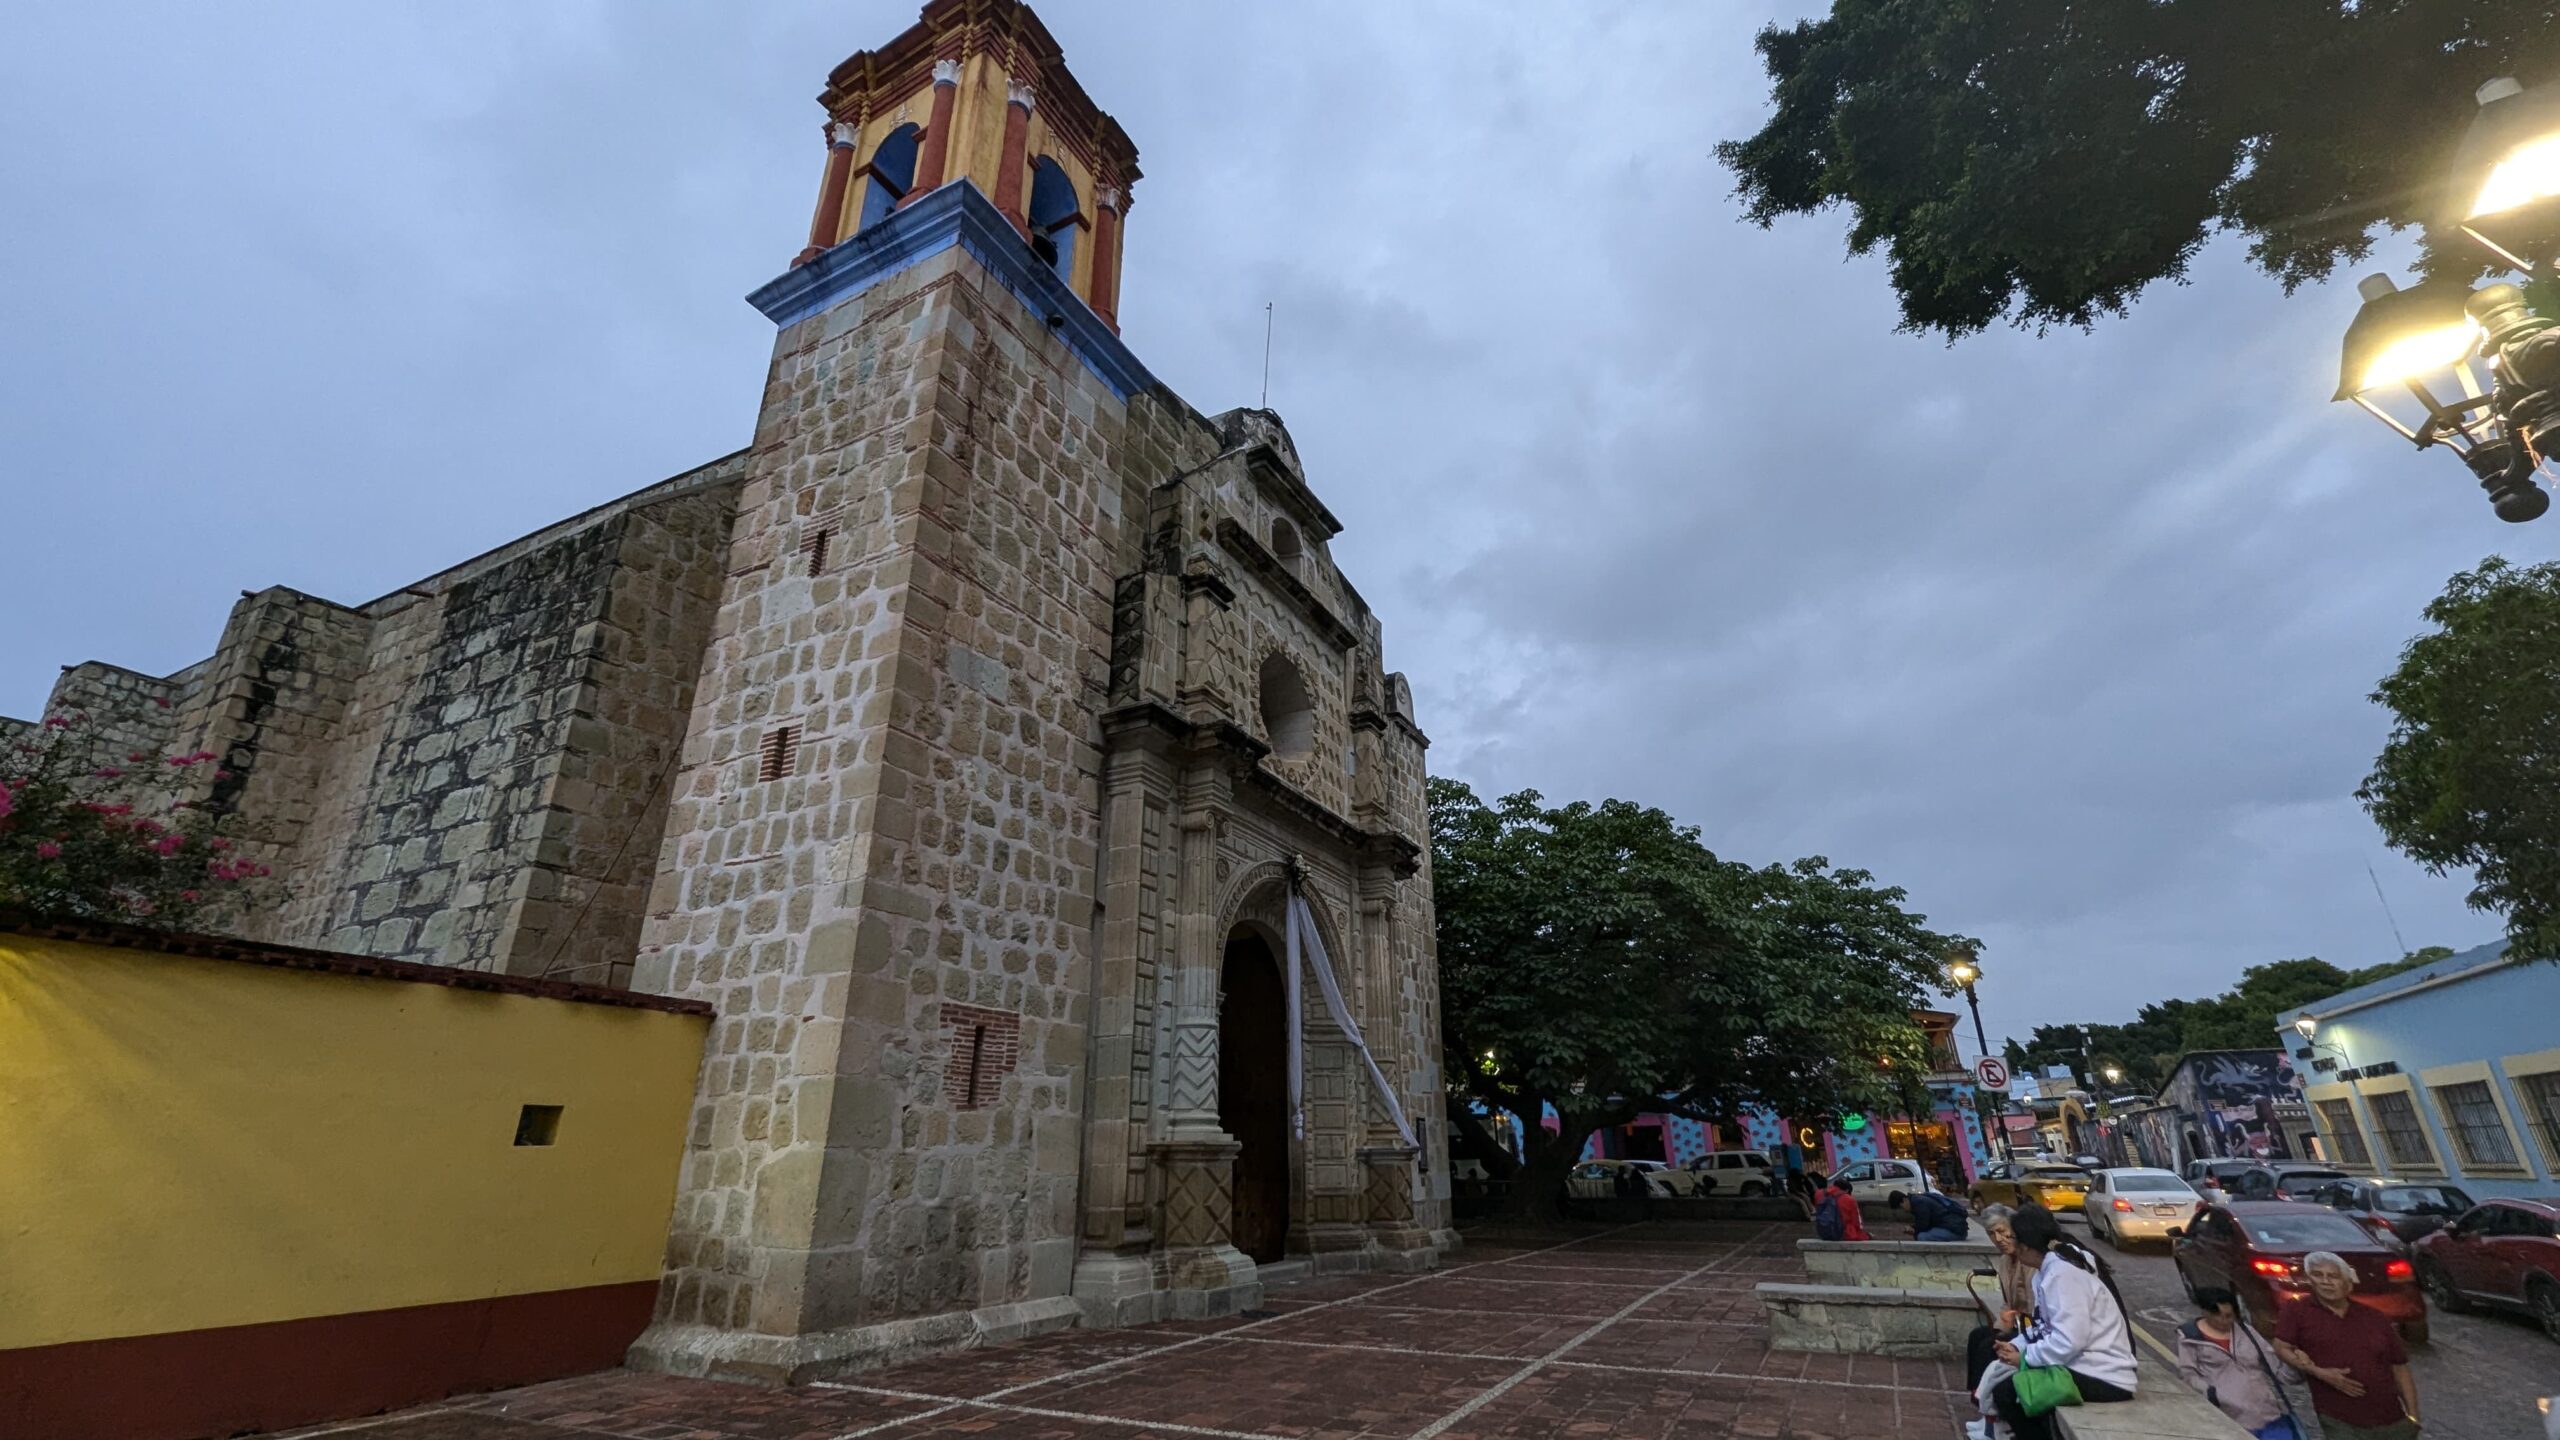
(93, 833)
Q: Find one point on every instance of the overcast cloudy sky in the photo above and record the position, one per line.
(2070, 635)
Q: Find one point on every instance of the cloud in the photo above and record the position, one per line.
(2068, 634)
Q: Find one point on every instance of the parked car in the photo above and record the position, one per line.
(1598, 1179)
(2406, 1210)
(2502, 1253)
(1734, 1172)
(2280, 1180)
(2059, 1188)
(2136, 1203)
(1873, 1181)
(2220, 1172)
(2254, 1249)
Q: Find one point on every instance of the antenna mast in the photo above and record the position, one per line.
(2386, 908)
(1266, 354)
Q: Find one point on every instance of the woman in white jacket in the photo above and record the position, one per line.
(2079, 1324)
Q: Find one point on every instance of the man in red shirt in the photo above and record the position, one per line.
(2360, 1380)
(1852, 1226)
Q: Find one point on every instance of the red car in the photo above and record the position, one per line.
(2254, 1249)
(2501, 1253)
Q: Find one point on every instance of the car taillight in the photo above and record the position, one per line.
(2277, 1268)
(2399, 1270)
(2123, 1204)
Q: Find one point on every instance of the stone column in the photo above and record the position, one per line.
(1196, 1157)
(1106, 255)
(1017, 157)
(1386, 1161)
(933, 156)
(824, 225)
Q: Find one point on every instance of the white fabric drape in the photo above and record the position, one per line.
(1306, 947)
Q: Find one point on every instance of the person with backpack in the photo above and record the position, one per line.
(1934, 1217)
(2079, 1347)
(2233, 1366)
(1835, 1215)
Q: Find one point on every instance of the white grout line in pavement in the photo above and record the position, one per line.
(1505, 1386)
(1119, 1360)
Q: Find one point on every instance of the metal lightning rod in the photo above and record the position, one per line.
(1266, 354)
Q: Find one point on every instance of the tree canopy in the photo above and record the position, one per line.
(2470, 776)
(2240, 1018)
(2043, 161)
(1600, 960)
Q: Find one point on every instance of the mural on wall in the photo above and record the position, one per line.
(2226, 1103)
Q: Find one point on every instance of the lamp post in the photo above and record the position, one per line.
(1964, 970)
(2478, 372)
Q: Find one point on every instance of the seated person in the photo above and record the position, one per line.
(1933, 1216)
(2234, 1366)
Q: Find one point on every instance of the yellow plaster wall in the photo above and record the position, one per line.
(190, 1143)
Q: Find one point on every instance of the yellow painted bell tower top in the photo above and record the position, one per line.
(977, 90)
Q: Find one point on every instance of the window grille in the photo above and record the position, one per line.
(2338, 1118)
(2404, 1135)
(2479, 1132)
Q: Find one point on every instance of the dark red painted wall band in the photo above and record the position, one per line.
(200, 1383)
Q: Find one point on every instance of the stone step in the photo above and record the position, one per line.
(1285, 1272)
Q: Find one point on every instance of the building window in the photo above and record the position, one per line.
(2338, 1119)
(1288, 711)
(1053, 216)
(893, 174)
(2404, 1135)
(1285, 546)
(2542, 1112)
(2479, 1131)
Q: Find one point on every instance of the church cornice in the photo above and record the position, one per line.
(958, 213)
(1155, 726)
(1266, 567)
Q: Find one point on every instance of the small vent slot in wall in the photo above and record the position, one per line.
(985, 1046)
(814, 547)
(777, 752)
(538, 1125)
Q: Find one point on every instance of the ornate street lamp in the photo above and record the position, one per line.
(1963, 970)
(2417, 361)
(2506, 176)
(2477, 372)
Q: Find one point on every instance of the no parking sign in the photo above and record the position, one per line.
(1991, 1074)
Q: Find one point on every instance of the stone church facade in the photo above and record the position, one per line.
(961, 740)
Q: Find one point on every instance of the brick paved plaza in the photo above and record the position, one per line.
(1638, 1331)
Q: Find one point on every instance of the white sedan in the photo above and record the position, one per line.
(2138, 1204)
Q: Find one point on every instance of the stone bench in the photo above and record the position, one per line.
(1869, 1320)
(2162, 1408)
(1900, 1264)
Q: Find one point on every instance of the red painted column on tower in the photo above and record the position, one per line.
(830, 216)
(1106, 256)
(1017, 144)
(934, 155)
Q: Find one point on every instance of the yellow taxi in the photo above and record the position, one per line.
(2059, 1188)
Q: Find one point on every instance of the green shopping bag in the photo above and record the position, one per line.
(2043, 1388)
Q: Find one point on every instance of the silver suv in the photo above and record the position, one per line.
(1734, 1172)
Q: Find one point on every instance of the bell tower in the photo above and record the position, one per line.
(1032, 695)
(978, 91)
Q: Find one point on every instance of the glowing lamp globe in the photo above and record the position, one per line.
(2506, 176)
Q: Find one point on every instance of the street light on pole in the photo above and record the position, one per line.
(1964, 970)
(2478, 372)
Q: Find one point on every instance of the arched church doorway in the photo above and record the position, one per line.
(1253, 1092)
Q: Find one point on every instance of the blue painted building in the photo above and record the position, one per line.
(2450, 1071)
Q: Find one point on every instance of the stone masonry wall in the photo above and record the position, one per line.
(932, 847)
(580, 917)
